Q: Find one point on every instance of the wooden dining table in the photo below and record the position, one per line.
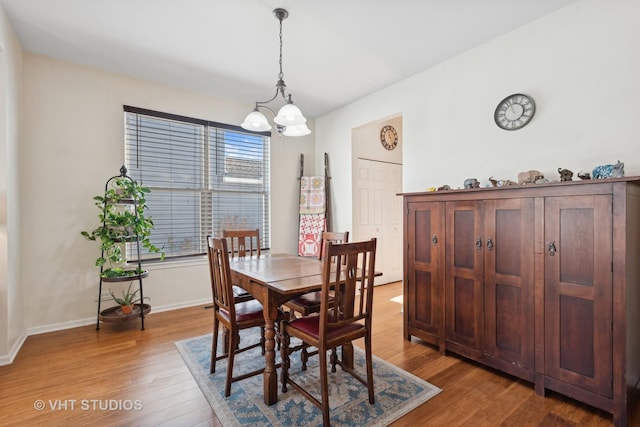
(274, 279)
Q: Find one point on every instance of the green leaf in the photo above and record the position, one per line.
(116, 223)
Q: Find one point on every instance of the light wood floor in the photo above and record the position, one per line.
(121, 366)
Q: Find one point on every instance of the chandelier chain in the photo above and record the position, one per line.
(281, 75)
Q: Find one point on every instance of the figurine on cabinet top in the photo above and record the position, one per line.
(529, 177)
(565, 174)
(584, 175)
(609, 171)
(501, 182)
(471, 183)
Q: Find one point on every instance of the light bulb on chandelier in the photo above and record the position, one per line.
(289, 121)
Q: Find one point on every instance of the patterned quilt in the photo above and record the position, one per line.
(312, 215)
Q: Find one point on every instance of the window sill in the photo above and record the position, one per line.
(178, 263)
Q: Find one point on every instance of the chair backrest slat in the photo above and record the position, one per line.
(243, 242)
(220, 271)
(352, 267)
(333, 237)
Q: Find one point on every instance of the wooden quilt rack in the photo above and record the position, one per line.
(314, 209)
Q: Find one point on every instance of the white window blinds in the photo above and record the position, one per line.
(204, 177)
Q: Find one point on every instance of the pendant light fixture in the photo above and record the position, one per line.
(289, 121)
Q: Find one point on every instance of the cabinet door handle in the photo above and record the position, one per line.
(489, 243)
(434, 239)
(479, 243)
(551, 247)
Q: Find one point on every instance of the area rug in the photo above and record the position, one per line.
(396, 391)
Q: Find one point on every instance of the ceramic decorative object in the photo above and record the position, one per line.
(529, 177)
(501, 182)
(471, 183)
(565, 174)
(609, 171)
(584, 175)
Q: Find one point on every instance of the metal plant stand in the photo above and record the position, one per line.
(114, 314)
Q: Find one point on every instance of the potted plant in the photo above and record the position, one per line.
(123, 219)
(128, 299)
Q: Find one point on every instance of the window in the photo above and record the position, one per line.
(204, 177)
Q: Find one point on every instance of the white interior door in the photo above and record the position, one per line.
(378, 213)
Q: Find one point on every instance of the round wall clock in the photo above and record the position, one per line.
(514, 112)
(389, 137)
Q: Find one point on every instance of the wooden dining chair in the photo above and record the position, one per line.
(344, 319)
(310, 302)
(234, 316)
(241, 243)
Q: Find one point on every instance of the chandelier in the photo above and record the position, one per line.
(289, 121)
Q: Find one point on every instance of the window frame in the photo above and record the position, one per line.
(210, 183)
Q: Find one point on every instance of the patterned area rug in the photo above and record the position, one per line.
(397, 392)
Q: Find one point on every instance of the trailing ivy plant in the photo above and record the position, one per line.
(120, 223)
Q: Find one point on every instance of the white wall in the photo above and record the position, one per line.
(580, 64)
(12, 331)
(72, 142)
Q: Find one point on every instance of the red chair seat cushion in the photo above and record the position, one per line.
(311, 326)
(245, 311)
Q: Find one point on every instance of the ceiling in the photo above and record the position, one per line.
(334, 51)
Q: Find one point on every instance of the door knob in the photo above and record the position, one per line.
(489, 243)
(479, 243)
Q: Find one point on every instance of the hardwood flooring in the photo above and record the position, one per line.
(121, 375)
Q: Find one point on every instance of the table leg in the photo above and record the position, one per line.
(347, 349)
(270, 371)
(347, 355)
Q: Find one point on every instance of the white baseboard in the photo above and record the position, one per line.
(52, 327)
(7, 359)
(13, 352)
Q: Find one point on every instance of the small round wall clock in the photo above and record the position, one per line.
(389, 137)
(514, 112)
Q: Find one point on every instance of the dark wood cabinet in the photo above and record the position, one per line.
(541, 282)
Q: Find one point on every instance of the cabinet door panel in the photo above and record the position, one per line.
(503, 333)
(464, 273)
(423, 281)
(509, 280)
(578, 291)
(465, 298)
